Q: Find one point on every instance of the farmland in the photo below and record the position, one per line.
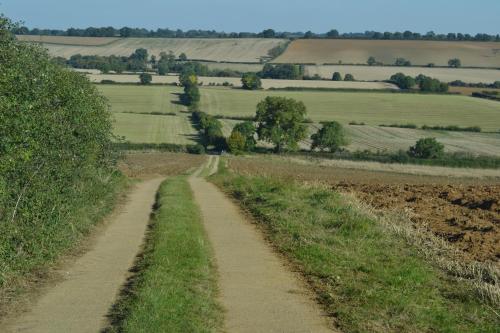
(67, 40)
(371, 108)
(236, 82)
(230, 50)
(379, 73)
(128, 102)
(320, 52)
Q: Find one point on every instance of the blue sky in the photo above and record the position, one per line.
(255, 15)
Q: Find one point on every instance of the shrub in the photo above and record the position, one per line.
(337, 76)
(456, 63)
(331, 136)
(427, 148)
(247, 130)
(57, 164)
(196, 149)
(146, 78)
(236, 143)
(349, 77)
(251, 81)
(402, 62)
(403, 81)
(107, 82)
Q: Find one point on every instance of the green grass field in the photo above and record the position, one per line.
(371, 108)
(175, 288)
(128, 101)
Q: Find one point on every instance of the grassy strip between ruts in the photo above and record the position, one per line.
(174, 289)
(367, 278)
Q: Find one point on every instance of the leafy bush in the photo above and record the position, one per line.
(57, 165)
(236, 143)
(336, 76)
(331, 136)
(428, 148)
(196, 149)
(349, 77)
(146, 78)
(251, 81)
(403, 81)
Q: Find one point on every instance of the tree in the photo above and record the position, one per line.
(402, 62)
(403, 81)
(337, 76)
(236, 143)
(428, 148)
(349, 77)
(146, 78)
(371, 61)
(428, 84)
(331, 136)
(455, 63)
(247, 130)
(333, 34)
(251, 81)
(280, 121)
(183, 57)
(268, 33)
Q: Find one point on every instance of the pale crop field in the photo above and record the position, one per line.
(311, 51)
(369, 107)
(250, 50)
(236, 82)
(68, 40)
(379, 73)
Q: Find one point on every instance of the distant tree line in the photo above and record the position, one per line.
(268, 33)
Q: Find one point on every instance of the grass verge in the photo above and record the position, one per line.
(369, 279)
(174, 289)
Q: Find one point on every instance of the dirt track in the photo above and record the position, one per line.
(258, 292)
(80, 302)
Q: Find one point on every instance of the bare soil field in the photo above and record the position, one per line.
(250, 50)
(236, 82)
(379, 73)
(464, 211)
(68, 40)
(310, 51)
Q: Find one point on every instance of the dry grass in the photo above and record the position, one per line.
(250, 50)
(475, 54)
(377, 73)
(483, 278)
(469, 91)
(67, 40)
(409, 169)
(152, 164)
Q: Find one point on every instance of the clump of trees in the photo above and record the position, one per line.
(251, 81)
(145, 78)
(282, 72)
(455, 63)
(349, 77)
(242, 138)
(402, 62)
(425, 83)
(280, 121)
(210, 130)
(427, 148)
(191, 96)
(331, 136)
(403, 81)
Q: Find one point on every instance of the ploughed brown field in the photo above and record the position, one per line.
(464, 211)
(331, 51)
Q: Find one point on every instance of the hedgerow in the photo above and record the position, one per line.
(57, 166)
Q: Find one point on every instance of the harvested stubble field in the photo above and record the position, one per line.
(236, 82)
(465, 212)
(310, 51)
(468, 90)
(68, 40)
(380, 73)
(250, 50)
(372, 108)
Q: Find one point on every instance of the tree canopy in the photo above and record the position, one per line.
(331, 136)
(280, 121)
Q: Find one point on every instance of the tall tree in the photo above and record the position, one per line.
(280, 121)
